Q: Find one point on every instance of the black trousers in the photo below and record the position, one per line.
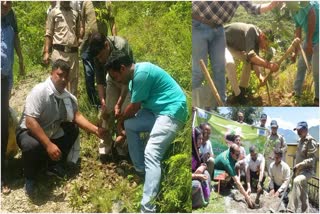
(4, 121)
(34, 154)
(255, 176)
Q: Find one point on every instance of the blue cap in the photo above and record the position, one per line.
(274, 123)
(301, 125)
(263, 116)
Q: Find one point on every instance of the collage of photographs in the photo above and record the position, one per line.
(159, 106)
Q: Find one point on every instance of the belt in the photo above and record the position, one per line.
(65, 48)
(204, 21)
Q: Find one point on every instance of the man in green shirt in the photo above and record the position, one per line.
(158, 106)
(226, 161)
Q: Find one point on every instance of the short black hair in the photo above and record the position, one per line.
(116, 59)
(202, 125)
(63, 65)
(278, 151)
(96, 43)
(269, 35)
(252, 149)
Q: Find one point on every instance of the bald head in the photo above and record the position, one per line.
(235, 151)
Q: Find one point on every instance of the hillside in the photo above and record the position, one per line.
(112, 187)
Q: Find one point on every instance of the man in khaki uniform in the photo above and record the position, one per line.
(62, 34)
(94, 22)
(274, 140)
(306, 156)
(114, 96)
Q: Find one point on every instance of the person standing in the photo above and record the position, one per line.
(263, 120)
(158, 106)
(94, 22)
(63, 35)
(274, 140)
(206, 152)
(307, 19)
(10, 40)
(306, 155)
(208, 38)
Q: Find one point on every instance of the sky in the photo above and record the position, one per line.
(288, 117)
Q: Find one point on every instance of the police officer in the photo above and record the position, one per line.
(63, 34)
(306, 155)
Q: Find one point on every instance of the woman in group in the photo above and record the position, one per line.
(200, 176)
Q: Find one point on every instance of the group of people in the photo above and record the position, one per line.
(249, 171)
(141, 97)
(243, 42)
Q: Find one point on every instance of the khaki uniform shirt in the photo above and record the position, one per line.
(63, 26)
(307, 154)
(96, 17)
(273, 142)
(280, 175)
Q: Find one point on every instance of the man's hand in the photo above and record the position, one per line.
(101, 132)
(293, 57)
(271, 193)
(249, 202)
(117, 111)
(53, 152)
(276, 194)
(46, 58)
(259, 187)
(274, 67)
(296, 167)
(249, 190)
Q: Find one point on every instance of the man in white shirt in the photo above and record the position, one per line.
(206, 152)
(255, 164)
(279, 172)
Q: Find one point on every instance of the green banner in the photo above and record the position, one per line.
(220, 127)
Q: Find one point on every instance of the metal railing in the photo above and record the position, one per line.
(313, 191)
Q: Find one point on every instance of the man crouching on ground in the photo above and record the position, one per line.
(158, 106)
(49, 125)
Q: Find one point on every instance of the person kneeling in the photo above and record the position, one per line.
(49, 125)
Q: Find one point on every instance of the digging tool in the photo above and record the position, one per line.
(304, 58)
(268, 92)
(210, 82)
(291, 181)
(291, 48)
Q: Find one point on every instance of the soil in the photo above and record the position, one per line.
(235, 203)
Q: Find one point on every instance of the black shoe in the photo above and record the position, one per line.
(29, 187)
(56, 170)
(241, 99)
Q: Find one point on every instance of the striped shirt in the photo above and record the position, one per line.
(220, 12)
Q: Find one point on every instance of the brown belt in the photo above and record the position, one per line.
(204, 21)
(65, 48)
